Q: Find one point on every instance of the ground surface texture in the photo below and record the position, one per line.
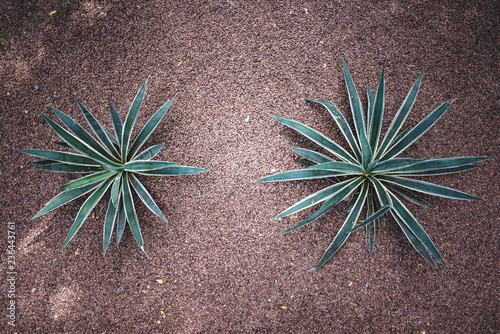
(222, 263)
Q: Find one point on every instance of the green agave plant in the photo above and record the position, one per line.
(110, 162)
(372, 175)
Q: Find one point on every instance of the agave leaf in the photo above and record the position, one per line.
(149, 153)
(332, 179)
(318, 138)
(116, 189)
(381, 191)
(372, 217)
(61, 143)
(350, 204)
(173, 171)
(130, 122)
(88, 179)
(417, 244)
(370, 226)
(112, 139)
(65, 197)
(414, 226)
(78, 145)
(370, 167)
(378, 206)
(344, 231)
(86, 208)
(399, 136)
(117, 123)
(44, 162)
(378, 112)
(341, 123)
(147, 165)
(82, 134)
(299, 174)
(366, 152)
(394, 164)
(129, 206)
(428, 188)
(68, 168)
(146, 197)
(97, 128)
(434, 165)
(345, 168)
(409, 196)
(371, 102)
(311, 155)
(148, 129)
(356, 107)
(109, 224)
(416, 132)
(313, 199)
(66, 157)
(329, 203)
(120, 221)
(400, 117)
(441, 171)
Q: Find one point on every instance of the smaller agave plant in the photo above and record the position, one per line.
(372, 174)
(110, 162)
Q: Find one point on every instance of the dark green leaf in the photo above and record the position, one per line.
(148, 129)
(345, 168)
(434, 165)
(83, 135)
(78, 145)
(329, 203)
(129, 206)
(300, 174)
(68, 168)
(312, 155)
(86, 208)
(408, 195)
(117, 123)
(400, 117)
(146, 197)
(428, 188)
(64, 197)
(88, 179)
(97, 128)
(147, 165)
(149, 153)
(341, 123)
(174, 171)
(407, 218)
(344, 231)
(416, 132)
(416, 243)
(356, 107)
(373, 217)
(318, 138)
(130, 122)
(313, 199)
(378, 112)
(109, 224)
(71, 158)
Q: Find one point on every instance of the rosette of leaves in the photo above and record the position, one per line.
(111, 161)
(370, 173)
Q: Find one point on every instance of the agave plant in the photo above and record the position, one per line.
(372, 175)
(110, 162)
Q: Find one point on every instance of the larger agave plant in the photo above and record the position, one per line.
(110, 161)
(371, 174)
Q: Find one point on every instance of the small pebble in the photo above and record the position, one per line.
(36, 87)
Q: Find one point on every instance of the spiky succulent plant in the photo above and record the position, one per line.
(371, 174)
(110, 162)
